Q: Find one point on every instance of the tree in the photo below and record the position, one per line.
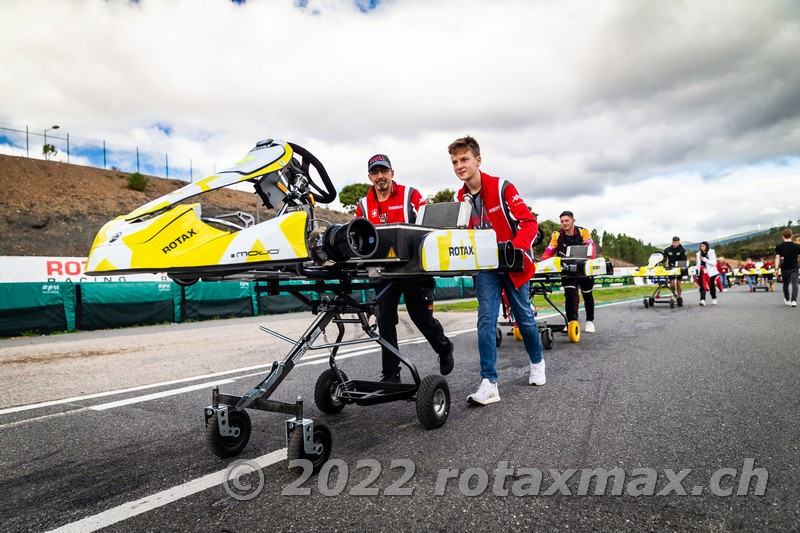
(351, 194)
(445, 195)
(49, 150)
(137, 181)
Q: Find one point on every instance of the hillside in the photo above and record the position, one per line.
(51, 208)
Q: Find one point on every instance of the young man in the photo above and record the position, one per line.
(388, 202)
(674, 253)
(496, 204)
(571, 235)
(786, 259)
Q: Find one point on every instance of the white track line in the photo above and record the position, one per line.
(157, 395)
(159, 499)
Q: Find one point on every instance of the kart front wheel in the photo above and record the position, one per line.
(646, 303)
(228, 446)
(321, 436)
(433, 401)
(574, 331)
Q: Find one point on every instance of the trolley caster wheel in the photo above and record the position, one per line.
(672, 304)
(325, 392)
(547, 339)
(680, 301)
(574, 331)
(433, 402)
(517, 333)
(498, 338)
(652, 301)
(228, 446)
(321, 436)
(646, 303)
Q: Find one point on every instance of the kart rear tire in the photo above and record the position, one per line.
(433, 401)
(652, 301)
(574, 331)
(225, 447)
(498, 337)
(295, 449)
(517, 333)
(672, 304)
(324, 392)
(646, 303)
(185, 282)
(547, 339)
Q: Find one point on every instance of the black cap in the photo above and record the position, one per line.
(379, 160)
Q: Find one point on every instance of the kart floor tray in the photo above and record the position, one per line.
(375, 392)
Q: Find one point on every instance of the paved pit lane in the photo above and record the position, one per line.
(691, 405)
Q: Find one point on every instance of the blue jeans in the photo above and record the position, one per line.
(488, 287)
(751, 281)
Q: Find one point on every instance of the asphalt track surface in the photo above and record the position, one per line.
(662, 389)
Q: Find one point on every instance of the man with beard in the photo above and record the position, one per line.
(388, 202)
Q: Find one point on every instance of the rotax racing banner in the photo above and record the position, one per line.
(26, 269)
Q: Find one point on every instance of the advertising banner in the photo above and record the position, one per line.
(45, 269)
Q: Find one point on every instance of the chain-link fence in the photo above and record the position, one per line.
(27, 142)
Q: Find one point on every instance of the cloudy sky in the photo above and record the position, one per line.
(649, 118)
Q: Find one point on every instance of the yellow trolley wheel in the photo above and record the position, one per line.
(517, 334)
(574, 331)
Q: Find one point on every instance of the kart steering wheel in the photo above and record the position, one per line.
(324, 194)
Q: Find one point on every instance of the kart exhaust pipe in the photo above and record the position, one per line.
(357, 239)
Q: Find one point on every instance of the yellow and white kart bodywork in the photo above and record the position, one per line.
(168, 236)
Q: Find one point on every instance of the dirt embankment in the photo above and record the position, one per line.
(51, 208)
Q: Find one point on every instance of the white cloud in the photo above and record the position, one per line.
(641, 116)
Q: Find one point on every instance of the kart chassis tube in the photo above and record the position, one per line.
(328, 310)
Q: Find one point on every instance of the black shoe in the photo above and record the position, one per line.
(446, 361)
(393, 378)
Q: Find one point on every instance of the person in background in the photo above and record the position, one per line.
(674, 253)
(786, 259)
(389, 202)
(724, 269)
(497, 204)
(750, 278)
(571, 235)
(707, 265)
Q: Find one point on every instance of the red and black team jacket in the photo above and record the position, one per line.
(510, 218)
(401, 206)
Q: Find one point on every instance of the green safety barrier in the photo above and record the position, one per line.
(108, 305)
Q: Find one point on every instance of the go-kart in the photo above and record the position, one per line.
(662, 277)
(168, 236)
(574, 264)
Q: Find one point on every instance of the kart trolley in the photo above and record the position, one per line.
(661, 278)
(575, 263)
(228, 425)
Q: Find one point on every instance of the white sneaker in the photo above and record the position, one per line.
(793, 304)
(702, 302)
(487, 393)
(536, 376)
(786, 302)
(714, 301)
(589, 327)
